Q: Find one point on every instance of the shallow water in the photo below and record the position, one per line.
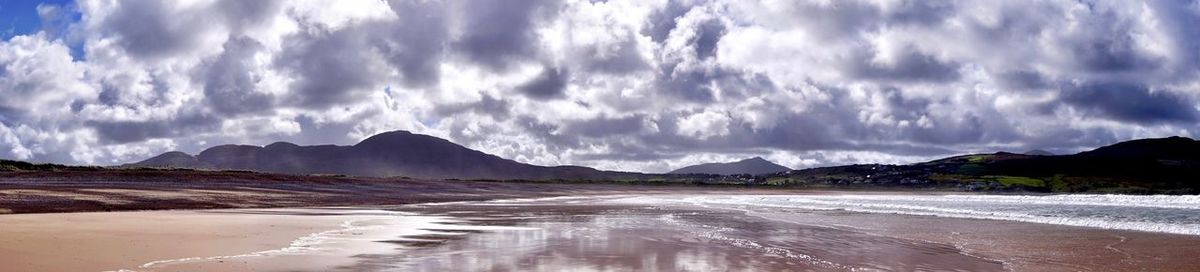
(1165, 214)
(639, 238)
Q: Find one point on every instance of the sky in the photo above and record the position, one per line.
(634, 85)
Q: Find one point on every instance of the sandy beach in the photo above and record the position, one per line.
(132, 240)
(600, 233)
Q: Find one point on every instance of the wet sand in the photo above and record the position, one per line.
(1027, 246)
(592, 233)
(569, 233)
(621, 238)
(156, 189)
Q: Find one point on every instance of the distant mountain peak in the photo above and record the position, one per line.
(1038, 152)
(281, 145)
(753, 166)
(389, 135)
(172, 159)
(399, 137)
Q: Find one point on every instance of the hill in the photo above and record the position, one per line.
(752, 166)
(1038, 152)
(396, 153)
(1165, 165)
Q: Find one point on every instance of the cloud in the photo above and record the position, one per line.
(415, 44)
(1130, 103)
(618, 84)
(330, 66)
(121, 132)
(152, 28)
(499, 34)
(704, 125)
(550, 83)
(230, 80)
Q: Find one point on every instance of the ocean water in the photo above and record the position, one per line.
(1154, 213)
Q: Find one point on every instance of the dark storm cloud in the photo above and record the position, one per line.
(240, 13)
(908, 66)
(1179, 25)
(321, 132)
(1116, 55)
(550, 83)
(661, 22)
(1129, 102)
(497, 108)
(1023, 80)
(153, 29)
(229, 85)
(415, 44)
(694, 86)
(144, 29)
(1108, 45)
(606, 126)
(9, 115)
(135, 131)
(499, 33)
(707, 36)
(700, 85)
(330, 66)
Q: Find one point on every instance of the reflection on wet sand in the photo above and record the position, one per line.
(582, 238)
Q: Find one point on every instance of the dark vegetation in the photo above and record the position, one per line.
(1147, 166)
(1168, 165)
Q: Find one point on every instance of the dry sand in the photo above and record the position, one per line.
(129, 240)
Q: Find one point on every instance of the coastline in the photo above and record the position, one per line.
(540, 228)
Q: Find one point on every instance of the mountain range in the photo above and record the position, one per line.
(753, 166)
(396, 153)
(1169, 165)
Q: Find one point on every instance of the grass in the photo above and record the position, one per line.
(1022, 181)
(1057, 184)
(1007, 181)
(977, 158)
(971, 169)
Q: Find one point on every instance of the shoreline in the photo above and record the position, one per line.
(145, 190)
(369, 237)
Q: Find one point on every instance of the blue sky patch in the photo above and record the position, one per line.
(20, 17)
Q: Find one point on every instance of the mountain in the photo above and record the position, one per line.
(1038, 152)
(397, 153)
(1172, 148)
(1164, 165)
(753, 166)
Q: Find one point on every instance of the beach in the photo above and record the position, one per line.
(660, 232)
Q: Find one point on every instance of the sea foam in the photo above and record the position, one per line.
(1156, 213)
